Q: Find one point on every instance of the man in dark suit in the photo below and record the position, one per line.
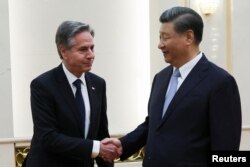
(66, 135)
(205, 112)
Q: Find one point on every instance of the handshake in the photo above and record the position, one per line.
(110, 149)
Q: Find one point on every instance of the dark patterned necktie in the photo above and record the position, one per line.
(80, 102)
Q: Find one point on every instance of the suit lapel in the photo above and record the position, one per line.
(162, 92)
(67, 94)
(92, 100)
(197, 74)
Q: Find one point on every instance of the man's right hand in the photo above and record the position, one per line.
(110, 149)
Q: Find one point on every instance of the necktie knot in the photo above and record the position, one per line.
(77, 83)
(176, 73)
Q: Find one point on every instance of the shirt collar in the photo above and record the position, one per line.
(71, 77)
(186, 68)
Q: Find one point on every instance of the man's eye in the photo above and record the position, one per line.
(164, 38)
(92, 48)
(83, 49)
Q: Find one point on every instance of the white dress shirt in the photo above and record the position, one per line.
(186, 69)
(71, 78)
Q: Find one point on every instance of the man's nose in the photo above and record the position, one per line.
(91, 53)
(160, 45)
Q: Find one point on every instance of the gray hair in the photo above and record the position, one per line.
(67, 31)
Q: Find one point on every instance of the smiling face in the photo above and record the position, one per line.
(79, 58)
(173, 45)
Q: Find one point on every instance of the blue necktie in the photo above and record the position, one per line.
(172, 90)
(80, 102)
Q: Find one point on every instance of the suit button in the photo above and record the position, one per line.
(149, 157)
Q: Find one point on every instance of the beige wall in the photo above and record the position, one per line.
(240, 62)
(122, 53)
(6, 115)
(240, 50)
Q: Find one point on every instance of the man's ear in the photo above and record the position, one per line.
(62, 51)
(189, 34)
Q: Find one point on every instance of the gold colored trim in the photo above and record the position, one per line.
(22, 147)
(21, 153)
(138, 156)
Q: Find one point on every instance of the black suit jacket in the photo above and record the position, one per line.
(58, 137)
(204, 115)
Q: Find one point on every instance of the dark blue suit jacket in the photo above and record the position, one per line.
(204, 115)
(58, 137)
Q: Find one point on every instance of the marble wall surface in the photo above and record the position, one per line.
(6, 115)
(121, 47)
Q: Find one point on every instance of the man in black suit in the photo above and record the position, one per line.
(204, 113)
(66, 135)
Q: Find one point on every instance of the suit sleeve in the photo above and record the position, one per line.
(46, 126)
(225, 116)
(134, 140)
(103, 132)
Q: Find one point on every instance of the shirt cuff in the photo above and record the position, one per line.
(95, 149)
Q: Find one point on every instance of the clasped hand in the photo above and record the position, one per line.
(110, 149)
